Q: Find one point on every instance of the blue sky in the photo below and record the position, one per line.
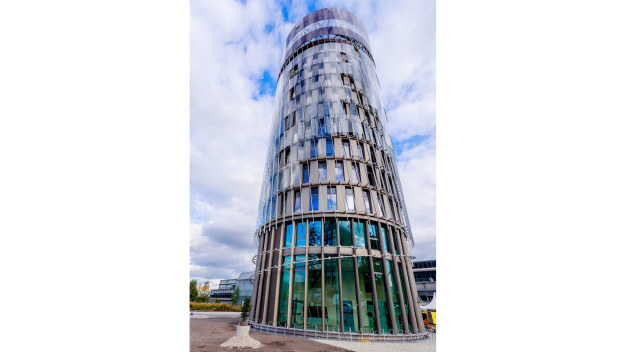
(235, 58)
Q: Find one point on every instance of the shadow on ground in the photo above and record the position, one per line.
(208, 334)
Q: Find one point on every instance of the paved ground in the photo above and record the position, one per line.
(208, 334)
(381, 346)
(201, 314)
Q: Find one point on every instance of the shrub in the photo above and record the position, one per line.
(220, 307)
(235, 297)
(193, 290)
(245, 309)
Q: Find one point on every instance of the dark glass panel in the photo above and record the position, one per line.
(315, 233)
(314, 301)
(330, 232)
(348, 293)
(288, 236)
(284, 293)
(331, 293)
(297, 312)
(359, 234)
(345, 233)
(367, 299)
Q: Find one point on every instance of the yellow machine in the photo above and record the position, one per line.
(430, 318)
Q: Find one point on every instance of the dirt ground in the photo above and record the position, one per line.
(208, 334)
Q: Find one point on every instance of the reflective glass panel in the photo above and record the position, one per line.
(314, 302)
(297, 309)
(301, 234)
(305, 173)
(355, 173)
(339, 171)
(350, 199)
(367, 299)
(332, 198)
(330, 150)
(331, 293)
(314, 204)
(296, 206)
(348, 293)
(345, 233)
(284, 292)
(383, 237)
(288, 236)
(359, 234)
(385, 317)
(315, 233)
(395, 299)
(330, 232)
(322, 171)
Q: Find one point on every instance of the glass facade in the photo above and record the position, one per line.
(329, 176)
(348, 290)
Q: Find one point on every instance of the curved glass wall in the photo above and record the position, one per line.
(331, 195)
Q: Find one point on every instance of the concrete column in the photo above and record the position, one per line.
(290, 298)
(392, 249)
(257, 314)
(268, 274)
(407, 289)
(279, 253)
(409, 268)
(323, 289)
(305, 305)
(340, 290)
(358, 294)
(405, 320)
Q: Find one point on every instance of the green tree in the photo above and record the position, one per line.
(245, 308)
(193, 290)
(235, 297)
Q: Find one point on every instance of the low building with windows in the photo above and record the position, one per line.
(224, 291)
(425, 275)
(245, 283)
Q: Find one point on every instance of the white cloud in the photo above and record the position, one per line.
(232, 45)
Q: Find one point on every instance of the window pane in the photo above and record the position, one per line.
(348, 292)
(350, 199)
(339, 171)
(355, 173)
(315, 233)
(346, 149)
(345, 233)
(404, 296)
(330, 150)
(314, 320)
(314, 200)
(332, 198)
(331, 293)
(305, 173)
(383, 237)
(359, 234)
(322, 171)
(367, 299)
(330, 232)
(385, 318)
(366, 201)
(313, 148)
(284, 293)
(297, 313)
(288, 236)
(297, 202)
(301, 234)
(395, 299)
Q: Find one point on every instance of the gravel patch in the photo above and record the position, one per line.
(382, 346)
(242, 342)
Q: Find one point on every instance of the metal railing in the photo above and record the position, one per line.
(334, 333)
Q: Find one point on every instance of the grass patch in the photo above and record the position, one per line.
(214, 307)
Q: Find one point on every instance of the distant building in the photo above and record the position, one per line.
(224, 291)
(245, 283)
(425, 275)
(227, 287)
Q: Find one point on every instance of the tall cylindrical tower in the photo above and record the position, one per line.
(334, 241)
